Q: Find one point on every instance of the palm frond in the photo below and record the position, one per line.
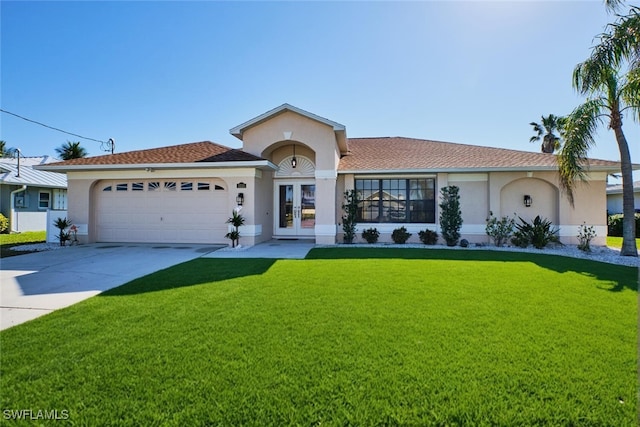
(630, 93)
(620, 42)
(579, 131)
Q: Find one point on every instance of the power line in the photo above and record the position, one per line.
(104, 145)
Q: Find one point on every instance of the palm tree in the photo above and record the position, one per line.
(622, 42)
(611, 94)
(4, 151)
(550, 124)
(71, 150)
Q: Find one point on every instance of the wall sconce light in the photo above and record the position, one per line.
(294, 161)
(527, 200)
(240, 199)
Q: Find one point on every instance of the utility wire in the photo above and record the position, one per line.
(51, 127)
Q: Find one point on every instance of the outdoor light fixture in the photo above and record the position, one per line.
(294, 161)
(240, 199)
(527, 200)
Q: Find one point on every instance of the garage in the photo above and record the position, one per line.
(162, 211)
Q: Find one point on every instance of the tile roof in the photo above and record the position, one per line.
(399, 153)
(28, 175)
(196, 152)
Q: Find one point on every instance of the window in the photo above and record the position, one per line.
(43, 200)
(107, 188)
(170, 185)
(122, 187)
(218, 188)
(203, 186)
(186, 186)
(137, 186)
(154, 186)
(396, 200)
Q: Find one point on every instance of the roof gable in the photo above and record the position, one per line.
(339, 129)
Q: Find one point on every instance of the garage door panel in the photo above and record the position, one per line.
(161, 215)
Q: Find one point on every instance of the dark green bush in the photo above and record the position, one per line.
(615, 225)
(428, 237)
(400, 235)
(371, 235)
(538, 233)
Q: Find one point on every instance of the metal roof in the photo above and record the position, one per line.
(28, 175)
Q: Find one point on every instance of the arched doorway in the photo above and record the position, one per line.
(295, 198)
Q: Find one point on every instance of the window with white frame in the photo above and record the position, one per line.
(409, 200)
(44, 200)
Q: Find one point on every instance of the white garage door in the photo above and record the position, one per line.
(156, 211)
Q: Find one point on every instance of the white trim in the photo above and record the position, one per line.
(304, 169)
(468, 177)
(395, 176)
(248, 230)
(326, 174)
(152, 167)
(568, 230)
(49, 202)
(326, 229)
(467, 170)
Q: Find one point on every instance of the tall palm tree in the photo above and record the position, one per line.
(549, 125)
(71, 150)
(622, 41)
(611, 94)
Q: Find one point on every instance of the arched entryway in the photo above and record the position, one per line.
(295, 198)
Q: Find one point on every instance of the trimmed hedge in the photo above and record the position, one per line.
(615, 225)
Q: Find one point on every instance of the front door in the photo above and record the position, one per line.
(295, 208)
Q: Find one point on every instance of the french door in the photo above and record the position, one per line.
(295, 208)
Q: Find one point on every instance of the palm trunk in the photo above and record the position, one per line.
(628, 222)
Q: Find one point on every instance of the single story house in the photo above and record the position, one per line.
(289, 180)
(614, 198)
(26, 193)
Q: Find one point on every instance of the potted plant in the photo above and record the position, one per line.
(236, 221)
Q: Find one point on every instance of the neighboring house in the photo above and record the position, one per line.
(290, 177)
(26, 194)
(614, 198)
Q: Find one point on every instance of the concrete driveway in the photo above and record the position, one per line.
(35, 284)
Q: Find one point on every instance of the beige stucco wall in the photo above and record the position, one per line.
(274, 139)
(503, 194)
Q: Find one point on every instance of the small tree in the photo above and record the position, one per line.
(236, 221)
(350, 207)
(500, 229)
(450, 214)
(586, 233)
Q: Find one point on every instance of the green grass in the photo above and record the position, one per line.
(8, 241)
(352, 336)
(616, 242)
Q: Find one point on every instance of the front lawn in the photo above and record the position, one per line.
(616, 242)
(352, 336)
(9, 241)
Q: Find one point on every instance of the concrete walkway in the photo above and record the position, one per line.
(35, 284)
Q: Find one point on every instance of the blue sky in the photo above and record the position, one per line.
(152, 74)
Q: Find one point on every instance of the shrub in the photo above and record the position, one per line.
(500, 229)
(539, 233)
(428, 237)
(450, 214)
(4, 223)
(350, 207)
(615, 225)
(371, 235)
(464, 243)
(585, 235)
(400, 235)
(62, 224)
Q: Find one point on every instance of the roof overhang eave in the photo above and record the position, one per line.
(260, 164)
(471, 170)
